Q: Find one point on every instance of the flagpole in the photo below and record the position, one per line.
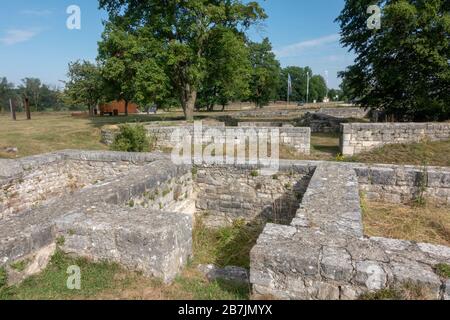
(288, 94)
(307, 87)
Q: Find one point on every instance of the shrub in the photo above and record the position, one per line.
(132, 138)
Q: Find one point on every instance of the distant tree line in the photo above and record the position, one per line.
(41, 97)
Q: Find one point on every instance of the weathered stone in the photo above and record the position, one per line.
(229, 273)
(447, 290)
(159, 244)
(412, 272)
(371, 274)
(366, 136)
(336, 264)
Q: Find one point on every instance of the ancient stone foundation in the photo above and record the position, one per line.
(99, 220)
(298, 139)
(139, 209)
(360, 137)
(323, 253)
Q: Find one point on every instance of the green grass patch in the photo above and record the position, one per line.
(20, 266)
(227, 245)
(404, 291)
(443, 270)
(199, 288)
(3, 277)
(51, 284)
(384, 294)
(102, 280)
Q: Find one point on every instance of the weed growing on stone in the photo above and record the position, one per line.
(405, 291)
(3, 277)
(443, 270)
(254, 173)
(60, 241)
(19, 266)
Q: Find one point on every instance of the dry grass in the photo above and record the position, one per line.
(430, 153)
(427, 223)
(324, 146)
(48, 132)
(405, 291)
(52, 131)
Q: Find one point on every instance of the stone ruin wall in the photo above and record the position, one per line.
(98, 222)
(297, 138)
(345, 112)
(137, 218)
(227, 193)
(360, 137)
(404, 184)
(323, 253)
(35, 185)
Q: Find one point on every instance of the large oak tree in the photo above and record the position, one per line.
(183, 28)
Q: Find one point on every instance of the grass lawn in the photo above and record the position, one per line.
(47, 132)
(225, 246)
(53, 131)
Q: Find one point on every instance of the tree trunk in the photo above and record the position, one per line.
(188, 102)
(126, 108)
(27, 108)
(91, 111)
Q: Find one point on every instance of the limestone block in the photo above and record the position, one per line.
(156, 243)
(336, 264)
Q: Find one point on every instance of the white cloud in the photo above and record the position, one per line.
(14, 36)
(297, 48)
(45, 12)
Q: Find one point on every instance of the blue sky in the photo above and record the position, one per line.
(34, 40)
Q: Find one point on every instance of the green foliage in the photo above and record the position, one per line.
(299, 83)
(3, 277)
(132, 138)
(443, 270)
(6, 92)
(131, 65)
(225, 246)
(20, 266)
(384, 294)
(60, 241)
(181, 34)
(339, 157)
(254, 173)
(51, 283)
(85, 85)
(227, 71)
(402, 68)
(265, 77)
(215, 290)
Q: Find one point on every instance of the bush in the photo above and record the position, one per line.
(132, 138)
